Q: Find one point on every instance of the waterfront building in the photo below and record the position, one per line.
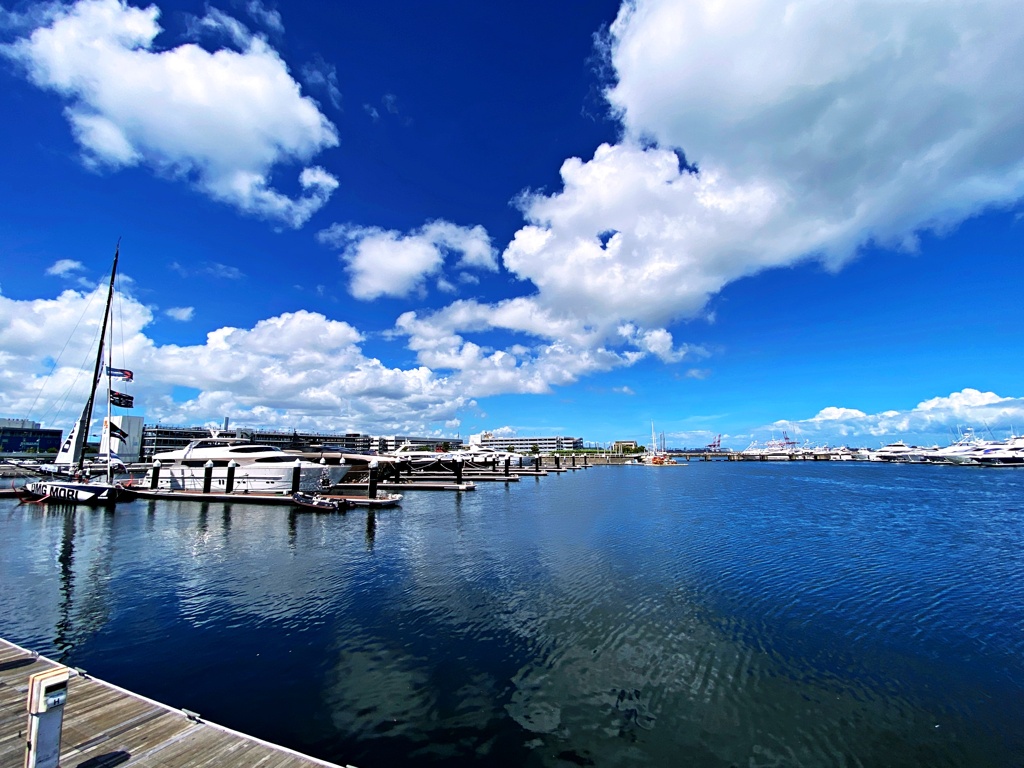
(24, 436)
(388, 443)
(527, 444)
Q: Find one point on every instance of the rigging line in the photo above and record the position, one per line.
(119, 310)
(56, 360)
(70, 390)
(119, 305)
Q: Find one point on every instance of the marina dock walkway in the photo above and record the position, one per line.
(107, 726)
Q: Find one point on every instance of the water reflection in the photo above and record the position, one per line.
(204, 513)
(293, 527)
(371, 528)
(84, 556)
(65, 561)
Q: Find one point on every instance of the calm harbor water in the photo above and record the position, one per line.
(719, 614)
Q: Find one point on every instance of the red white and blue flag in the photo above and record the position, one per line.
(120, 373)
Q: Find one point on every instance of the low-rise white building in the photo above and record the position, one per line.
(527, 444)
(388, 443)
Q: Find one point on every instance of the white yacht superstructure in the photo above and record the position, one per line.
(898, 451)
(482, 454)
(1006, 454)
(252, 468)
(419, 456)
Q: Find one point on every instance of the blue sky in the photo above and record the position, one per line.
(734, 218)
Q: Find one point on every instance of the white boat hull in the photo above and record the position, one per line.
(73, 492)
(247, 479)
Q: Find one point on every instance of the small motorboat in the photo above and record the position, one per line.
(380, 501)
(318, 503)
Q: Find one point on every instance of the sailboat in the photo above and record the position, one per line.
(79, 488)
(653, 456)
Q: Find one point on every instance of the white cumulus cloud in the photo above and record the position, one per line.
(390, 263)
(933, 421)
(268, 17)
(183, 314)
(63, 267)
(222, 120)
(809, 131)
(755, 135)
(296, 370)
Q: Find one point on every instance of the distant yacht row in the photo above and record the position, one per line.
(968, 450)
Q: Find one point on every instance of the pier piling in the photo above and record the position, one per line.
(207, 476)
(371, 486)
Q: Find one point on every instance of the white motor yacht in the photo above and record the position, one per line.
(898, 451)
(482, 454)
(1007, 454)
(962, 451)
(257, 468)
(420, 456)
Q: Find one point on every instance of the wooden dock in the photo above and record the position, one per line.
(108, 726)
(280, 499)
(402, 487)
(479, 477)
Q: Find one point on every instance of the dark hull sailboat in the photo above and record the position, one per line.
(79, 488)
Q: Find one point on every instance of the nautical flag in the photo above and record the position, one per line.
(120, 373)
(121, 400)
(116, 431)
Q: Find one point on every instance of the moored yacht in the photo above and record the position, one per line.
(253, 468)
(773, 450)
(1007, 454)
(482, 454)
(420, 456)
(898, 451)
(960, 452)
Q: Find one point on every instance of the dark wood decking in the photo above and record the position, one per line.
(106, 726)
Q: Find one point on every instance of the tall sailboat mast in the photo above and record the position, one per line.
(87, 413)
